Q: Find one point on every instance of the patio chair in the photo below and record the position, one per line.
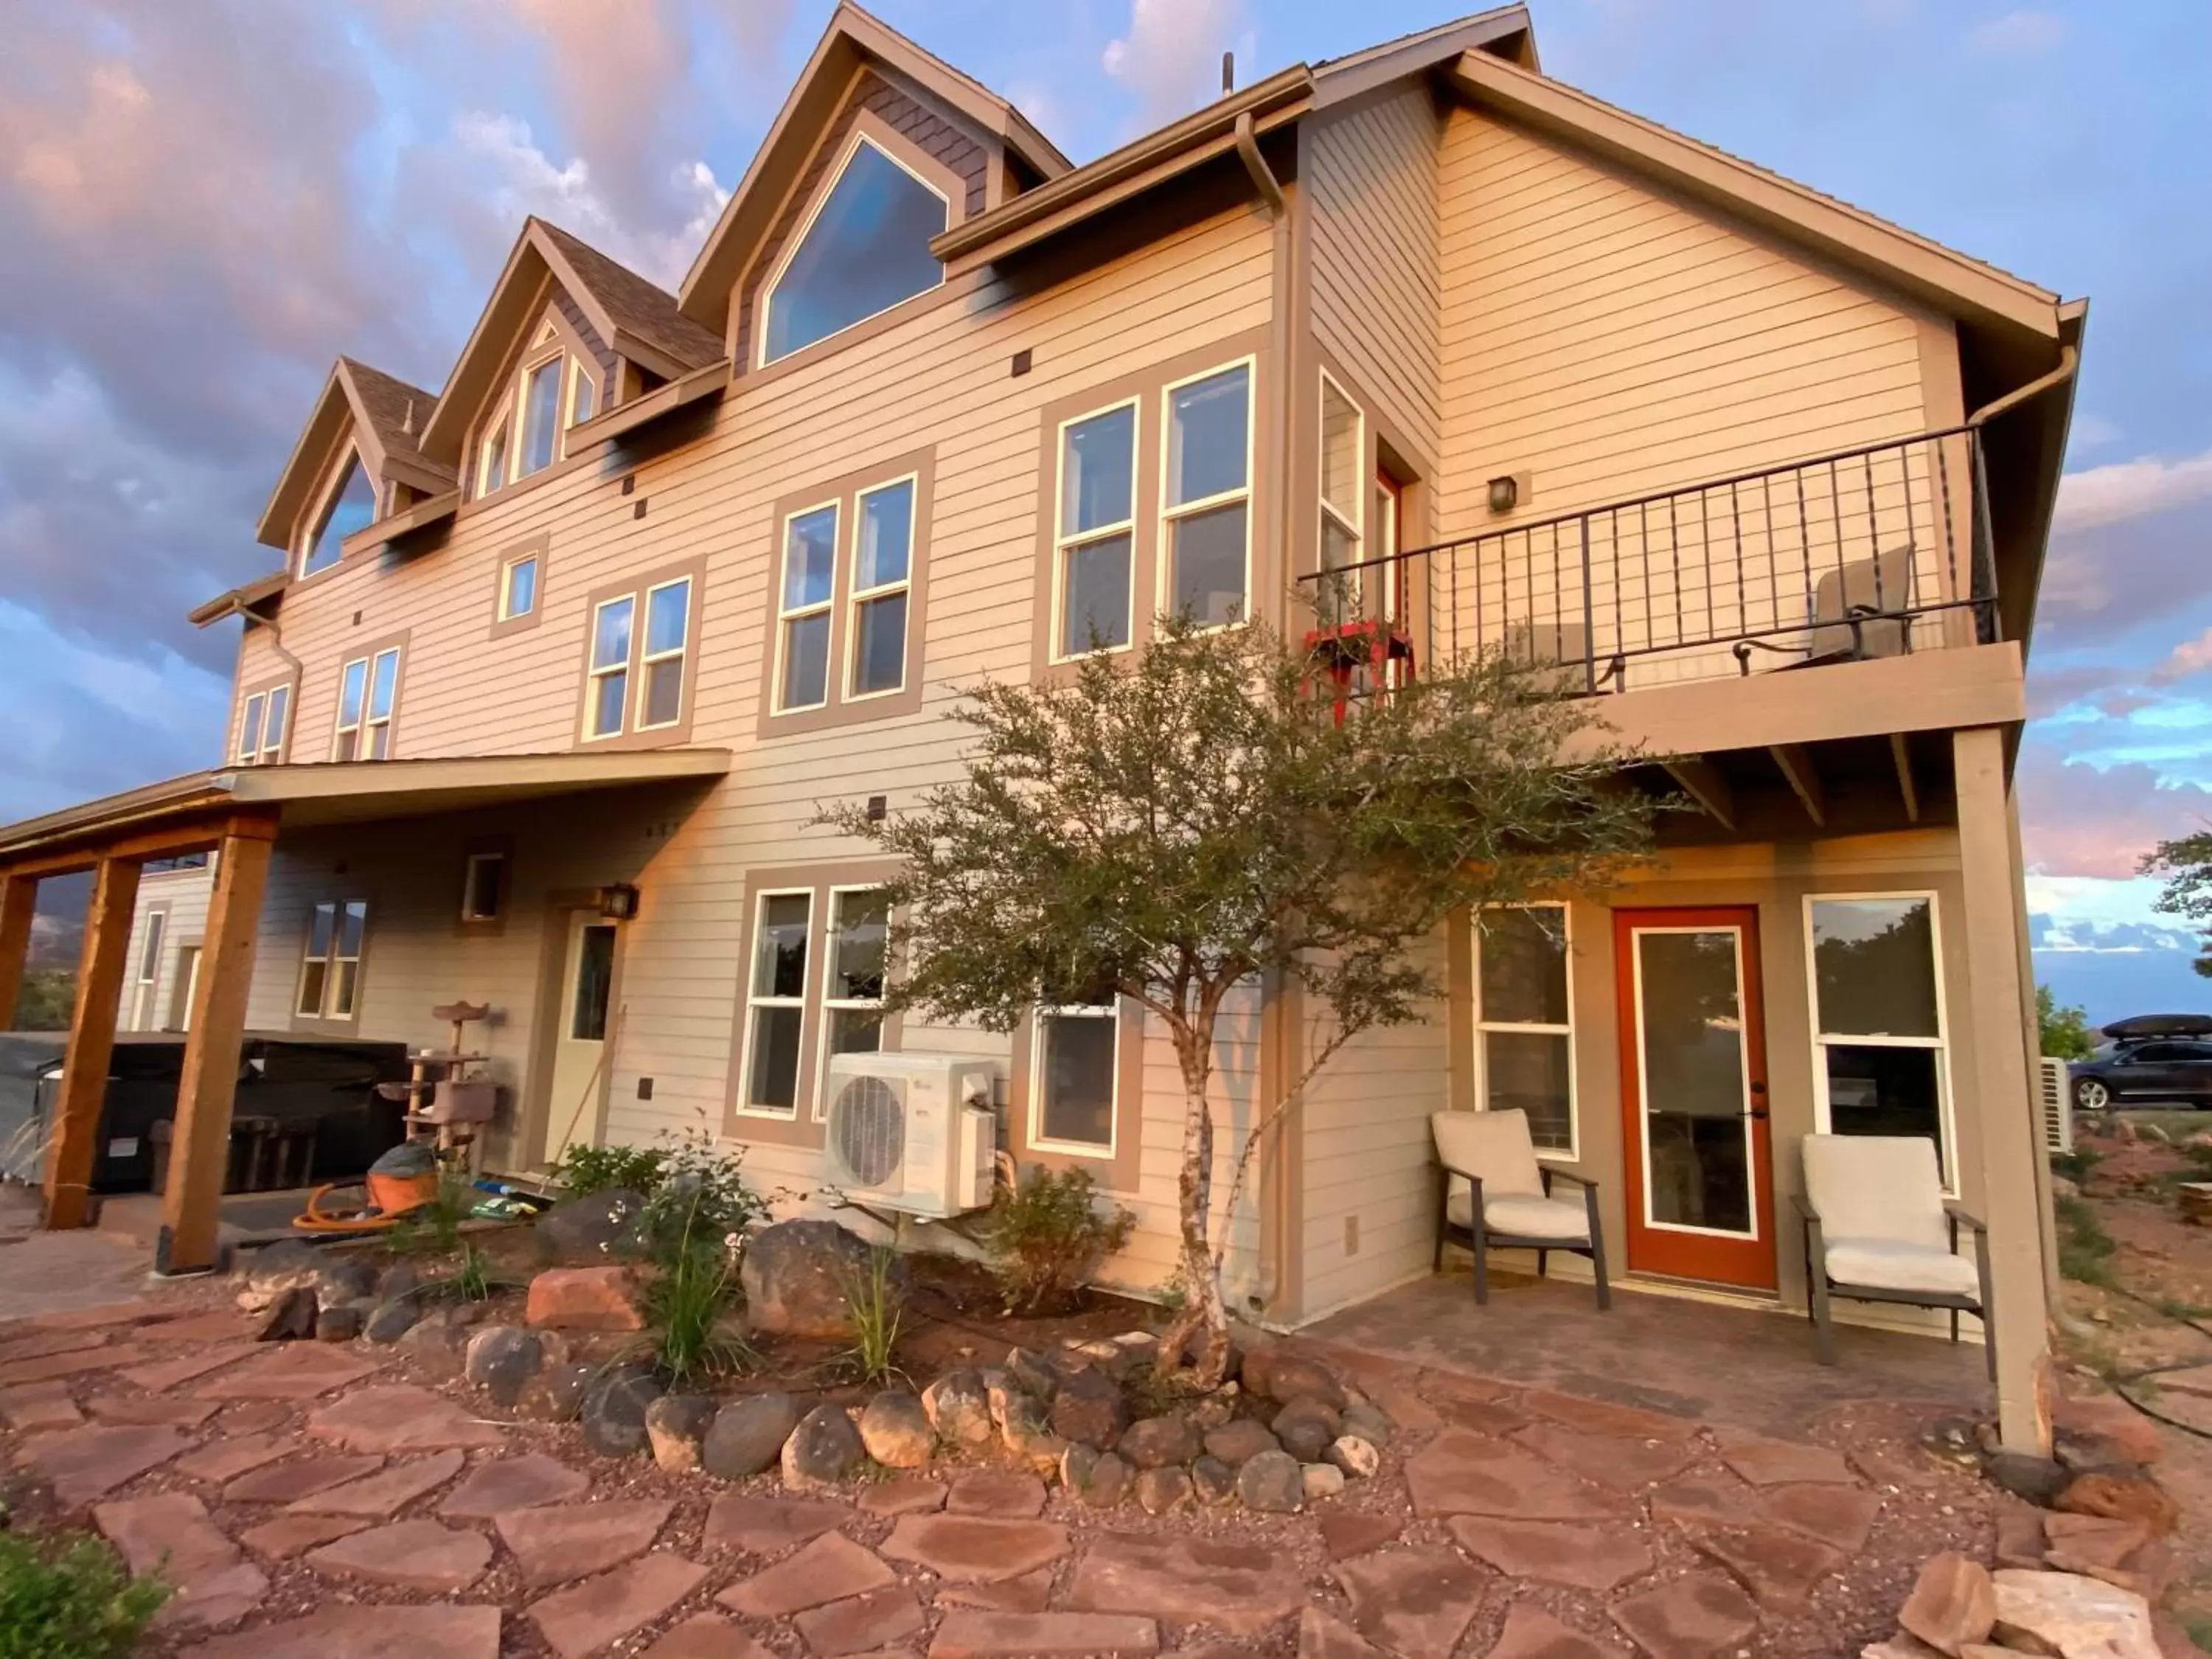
(1878, 1229)
(1856, 609)
(1491, 1193)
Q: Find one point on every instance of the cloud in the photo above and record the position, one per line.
(1170, 58)
(2190, 657)
(2104, 495)
(2019, 34)
(2094, 431)
(2082, 820)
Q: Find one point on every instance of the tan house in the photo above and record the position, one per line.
(562, 658)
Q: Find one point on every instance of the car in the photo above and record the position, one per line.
(2145, 1068)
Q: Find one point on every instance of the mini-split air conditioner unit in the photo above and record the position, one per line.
(913, 1132)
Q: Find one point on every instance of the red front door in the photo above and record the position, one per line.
(1694, 1096)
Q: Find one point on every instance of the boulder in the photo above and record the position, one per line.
(959, 1408)
(1355, 1455)
(1305, 1428)
(289, 1316)
(555, 1395)
(343, 1278)
(1367, 1421)
(1158, 1441)
(613, 1413)
(795, 1273)
(343, 1323)
(1031, 1374)
(2073, 1616)
(1293, 1376)
(1237, 1443)
(676, 1424)
(390, 1319)
(896, 1431)
(823, 1451)
(1952, 1605)
(438, 1343)
(1165, 1490)
(748, 1436)
(1272, 1483)
(269, 1272)
(2039, 1480)
(2104, 1428)
(1027, 1431)
(1097, 1479)
(2119, 1497)
(578, 1231)
(500, 1359)
(585, 1299)
(400, 1278)
(1212, 1480)
(1089, 1407)
(1321, 1481)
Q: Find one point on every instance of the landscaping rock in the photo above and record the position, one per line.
(437, 1344)
(748, 1436)
(343, 1278)
(585, 1299)
(613, 1413)
(343, 1323)
(399, 1279)
(1027, 1433)
(556, 1395)
(389, 1320)
(500, 1359)
(1164, 1491)
(1369, 1422)
(1100, 1480)
(896, 1431)
(1272, 1483)
(1214, 1480)
(2071, 1615)
(1954, 1603)
(1292, 1376)
(270, 1270)
(1158, 1441)
(1089, 1407)
(676, 1426)
(290, 1317)
(959, 1409)
(1355, 1456)
(2119, 1497)
(1237, 1443)
(795, 1273)
(1321, 1481)
(1031, 1374)
(1305, 1428)
(2039, 1480)
(585, 1231)
(823, 1451)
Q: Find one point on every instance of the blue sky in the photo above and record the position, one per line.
(206, 202)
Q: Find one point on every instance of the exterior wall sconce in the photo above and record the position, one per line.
(618, 902)
(1504, 492)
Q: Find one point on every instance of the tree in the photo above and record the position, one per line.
(2186, 864)
(47, 1001)
(1200, 816)
(2065, 1031)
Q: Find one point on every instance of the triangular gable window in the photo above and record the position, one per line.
(352, 508)
(866, 249)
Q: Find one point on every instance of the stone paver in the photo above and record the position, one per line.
(1004, 1494)
(37, 1345)
(171, 1534)
(1415, 1602)
(255, 1416)
(1780, 1569)
(133, 1408)
(29, 1407)
(972, 1635)
(388, 1490)
(584, 1618)
(768, 1526)
(1321, 1637)
(1608, 1460)
(1705, 1500)
(861, 1624)
(1243, 1588)
(509, 1484)
(401, 1418)
(287, 1483)
(1602, 1416)
(366, 1632)
(227, 1458)
(1353, 1532)
(828, 1569)
(1531, 1632)
(417, 1555)
(1459, 1474)
(975, 1550)
(288, 1535)
(1031, 1593)
(908, 1495)
(1598, 1558)
(1692, 1618)
(1767, 1462)
(76, 1363)
(556, 1545)
(706, 1636)
(199, 1328)
(290, 1371)
(107, 1315)
(172, 1368)
(1838, 1516)
(90, 1462)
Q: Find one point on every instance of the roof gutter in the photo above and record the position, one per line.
(2069, 360)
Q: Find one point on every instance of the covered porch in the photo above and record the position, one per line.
(241, 816)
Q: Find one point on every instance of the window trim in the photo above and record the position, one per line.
(1034, 1136)
(146, 974)
(264, 753)
(369, 656)
(1948, 1149)
(647, 658)
(502, 427)
(470, 863)
(752, 1001)
(1063, 544)
(1363, 483)
(578, 371)
(595, 671)
(827, 607)
(550, 337)
(321, 1018)
(1173, 512)
(552, 354)
(856, 596)
(639, 588)
(830, 178)
(829, 1005)
(325, 502)
(1478, 1066)
(537, 547)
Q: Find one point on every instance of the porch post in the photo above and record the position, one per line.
(200, 1144)
(2005, 1117)
(74, 1139)
(18, 902)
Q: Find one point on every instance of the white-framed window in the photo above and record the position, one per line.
(1880, 1063)
(541, 417)
(492, 461)
(349, 505)
(330, 970)
(608, 694)
(883, 567)
(583, 393)
(146, 990)
(852, 971)
(1076, 1079)
(1205, 497)
(863, 249)
(552, 389)
(1524, 1029)
(187, 982)
(661, 666)
(1095, 532)
(483, 886)
(261, 726)
(1343, 493)
(368, 690)
(775, 1001)
(802, 612)
(518, 587)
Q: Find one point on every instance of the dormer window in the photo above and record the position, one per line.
(350, 507)
(552, 390)
(866, 249)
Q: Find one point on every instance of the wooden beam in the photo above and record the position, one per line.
(18, 903)
(1796, 763)
(195, 833)
(199, 1150)
(1901, 750)
(74, 1139)
(1703, 783)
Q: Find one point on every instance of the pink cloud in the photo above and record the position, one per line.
(2078, 821)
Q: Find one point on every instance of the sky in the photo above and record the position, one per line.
(205, 203)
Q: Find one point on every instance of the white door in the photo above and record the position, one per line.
(579, 1043)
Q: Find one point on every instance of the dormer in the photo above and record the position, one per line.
(357, 461)
(555, 383)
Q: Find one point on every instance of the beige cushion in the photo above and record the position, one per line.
(1519, 1215)
(1877, 1187)
(1494, 1146)
(1881, 1264)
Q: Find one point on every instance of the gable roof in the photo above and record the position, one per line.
(385, 416)
(631, 315)
(852, 40)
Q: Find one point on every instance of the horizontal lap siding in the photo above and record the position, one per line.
(184, 895)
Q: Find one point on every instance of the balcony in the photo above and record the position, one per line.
(1875, 552)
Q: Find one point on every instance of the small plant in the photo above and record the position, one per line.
(1048, 1238)
(2085, 1248)
(585, 1169)
(473, 1281)
(433, 1228)
(2077, 1165)
(685, 1300)
(72, 1599)
(701, 1196)
(877, 1306)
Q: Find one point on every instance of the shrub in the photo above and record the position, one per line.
(1048, 1238)
(873, 1298)
(434, 1228)
(584, 1169)
(70, 1599)
(701, 1196)
(2085, 1248)
(2077, 1165)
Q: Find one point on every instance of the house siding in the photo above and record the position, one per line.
(182, 897)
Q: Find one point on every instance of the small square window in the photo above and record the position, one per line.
(484, 887)
(1075, 1073)
(518, 594)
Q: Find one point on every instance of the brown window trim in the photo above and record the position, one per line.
(537, 547)
(468, 926)
(1146, 387)
(842, 709)
(370, 649)
(1383, 449)
(659, 737)
(349, 1024)
(262, 688)
(1117, 1172)
(805, 1128)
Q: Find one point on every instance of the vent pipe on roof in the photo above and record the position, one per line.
(1227, 73)
(407, 420)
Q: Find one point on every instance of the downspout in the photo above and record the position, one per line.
(1263, 176)
(2069, 361)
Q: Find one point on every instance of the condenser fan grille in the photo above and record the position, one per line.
(868, 1124)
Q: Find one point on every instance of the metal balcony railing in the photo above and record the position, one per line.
(1869, 552)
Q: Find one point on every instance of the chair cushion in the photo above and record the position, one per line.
(1877, 1186)
(1519, 1215)
(1883, 1264)
(1494, 1145)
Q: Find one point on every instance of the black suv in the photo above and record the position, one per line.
(2147, 1059)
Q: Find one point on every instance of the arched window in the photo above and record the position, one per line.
(351, 507)
(866, 249)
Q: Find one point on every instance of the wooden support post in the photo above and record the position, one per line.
(73, 1137)
(200, 1145)
(18, 902)
(2006, 1126)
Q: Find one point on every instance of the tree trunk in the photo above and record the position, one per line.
(1203, 1317)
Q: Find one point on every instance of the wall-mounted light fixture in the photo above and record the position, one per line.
(618, 902)
(1504, 492)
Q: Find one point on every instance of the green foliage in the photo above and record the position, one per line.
(2186, 864)
(1048, 1237)
(433, 1228)
(2065, 1031)
(877, 1309)
(2085, 1248)
(687, 1298)
(701, 1196)
(70, 1599)
(473, 1281)
(47, 1001)
(585, 1169)
(2077, 1165)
